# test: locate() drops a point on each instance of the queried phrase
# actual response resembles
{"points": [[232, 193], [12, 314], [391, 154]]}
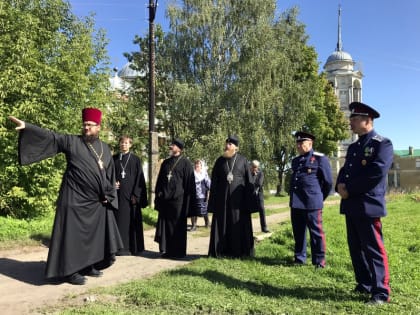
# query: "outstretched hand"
{"points": [[20, 123]]}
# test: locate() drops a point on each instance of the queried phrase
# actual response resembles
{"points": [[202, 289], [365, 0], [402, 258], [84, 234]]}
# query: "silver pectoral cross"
{"points": [[123, 174], [169, 176], [101, 164], [229, 178]]}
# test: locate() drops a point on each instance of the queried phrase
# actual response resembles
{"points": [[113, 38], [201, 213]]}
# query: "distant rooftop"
{"points": [[406, 153], [339, 56]]}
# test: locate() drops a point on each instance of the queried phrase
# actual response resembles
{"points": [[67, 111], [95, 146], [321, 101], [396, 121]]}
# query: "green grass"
{"points": [[274, 200], [270, 284], [19, 232]]}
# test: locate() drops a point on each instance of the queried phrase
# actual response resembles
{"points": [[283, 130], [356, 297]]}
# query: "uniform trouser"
{"points": [[302, 220], [368, 255]]}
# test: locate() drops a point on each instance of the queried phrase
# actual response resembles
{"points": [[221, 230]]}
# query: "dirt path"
{"points": [[23, 289]]}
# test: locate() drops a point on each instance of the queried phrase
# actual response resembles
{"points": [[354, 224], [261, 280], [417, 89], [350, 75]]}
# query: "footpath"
{"points": [[23, 289]]}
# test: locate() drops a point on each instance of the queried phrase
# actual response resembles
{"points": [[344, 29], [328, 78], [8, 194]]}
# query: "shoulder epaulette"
{"points": [[378, 138], [318, 153]]}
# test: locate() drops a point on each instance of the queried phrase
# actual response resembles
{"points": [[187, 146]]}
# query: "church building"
{"points": [[346, 79]]}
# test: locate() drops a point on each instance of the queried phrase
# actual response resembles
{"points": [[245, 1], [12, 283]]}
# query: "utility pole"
{"points": [[153, 139]]}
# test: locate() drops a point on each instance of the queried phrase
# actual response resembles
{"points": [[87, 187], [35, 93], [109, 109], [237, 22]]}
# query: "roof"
{"points": [[405, 153], [129, 73], [339, 56]]}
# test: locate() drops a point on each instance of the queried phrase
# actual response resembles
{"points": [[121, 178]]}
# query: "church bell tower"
{"points": [[346, 79]]}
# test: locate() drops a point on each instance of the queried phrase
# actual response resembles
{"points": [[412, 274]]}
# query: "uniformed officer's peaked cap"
{"points": [[360, 109], [233, 139], [178, 142], [301, 136]]}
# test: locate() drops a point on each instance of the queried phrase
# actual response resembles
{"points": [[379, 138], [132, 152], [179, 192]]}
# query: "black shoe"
{"points": [[76, 279], [376, 301], [193, 228], [94, 273], [91, 271], [319, 266], [265, 230], [123, 253]]}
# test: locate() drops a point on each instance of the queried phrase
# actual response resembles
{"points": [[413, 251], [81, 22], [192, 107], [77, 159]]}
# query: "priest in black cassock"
{"points": [[230, 202], [174, 200], [85, 235], [132, 197]]}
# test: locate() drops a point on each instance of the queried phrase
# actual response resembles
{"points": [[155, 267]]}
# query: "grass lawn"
{"points": [[270, 284]]}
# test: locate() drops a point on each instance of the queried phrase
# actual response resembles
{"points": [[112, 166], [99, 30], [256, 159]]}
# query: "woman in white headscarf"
{"points": [[202, 186]]}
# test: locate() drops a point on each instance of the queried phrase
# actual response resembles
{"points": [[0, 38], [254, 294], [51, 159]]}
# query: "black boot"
{"points": [[76, 279], [206, 221]]}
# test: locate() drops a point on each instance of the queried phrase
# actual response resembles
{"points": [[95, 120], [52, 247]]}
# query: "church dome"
{"points": [[116, 83], [339, 56], [128, 73]]}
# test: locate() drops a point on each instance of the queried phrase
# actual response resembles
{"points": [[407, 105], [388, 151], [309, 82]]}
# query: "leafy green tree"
{"points": [[129, 117], [140, 92], [281, 89], [234, 67], [326, 120], [52, 65], [217, 54]]}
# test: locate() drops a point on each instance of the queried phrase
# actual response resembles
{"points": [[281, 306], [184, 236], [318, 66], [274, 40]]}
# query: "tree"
{"points": [[52, 65], [219, 54], [326, 120], [234, 67]]}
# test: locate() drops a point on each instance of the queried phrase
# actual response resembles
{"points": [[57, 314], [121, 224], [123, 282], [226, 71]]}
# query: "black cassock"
{"points": [[129, 173], [85, 232], [174, 199], [231, 229]]}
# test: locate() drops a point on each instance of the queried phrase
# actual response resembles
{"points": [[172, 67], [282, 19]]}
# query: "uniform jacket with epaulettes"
{"points": [[311, 181], [364, 173]]}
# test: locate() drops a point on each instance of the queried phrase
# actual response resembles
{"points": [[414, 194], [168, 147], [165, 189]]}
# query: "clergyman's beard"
{"points": [[90, 138], [229, 153]]}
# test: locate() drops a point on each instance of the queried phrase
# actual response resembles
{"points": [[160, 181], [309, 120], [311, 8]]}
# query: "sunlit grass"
{"points": [[270, 284]]}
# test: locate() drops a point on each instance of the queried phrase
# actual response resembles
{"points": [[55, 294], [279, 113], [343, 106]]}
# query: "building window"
{"points": [[417, 163]]}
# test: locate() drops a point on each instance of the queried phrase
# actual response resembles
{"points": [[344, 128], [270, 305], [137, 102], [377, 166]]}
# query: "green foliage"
{"points": [[128, 118], [150, 216], [22, 230], [327, 121], [236, 67], [52, 66]]}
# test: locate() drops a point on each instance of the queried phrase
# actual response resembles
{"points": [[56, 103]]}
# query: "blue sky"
{"points": [[380, 35]]}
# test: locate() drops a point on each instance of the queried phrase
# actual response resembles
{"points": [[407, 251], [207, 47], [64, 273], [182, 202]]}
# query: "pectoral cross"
{"points": [[123, 174], [101, 164], [169, 176], [230, 178]]}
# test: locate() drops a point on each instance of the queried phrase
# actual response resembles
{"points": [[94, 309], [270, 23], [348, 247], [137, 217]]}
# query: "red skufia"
{"points": [[92, 114]]}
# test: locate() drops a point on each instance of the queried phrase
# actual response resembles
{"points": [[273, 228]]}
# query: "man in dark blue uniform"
{"points": [[310, 185], [361, 184]]}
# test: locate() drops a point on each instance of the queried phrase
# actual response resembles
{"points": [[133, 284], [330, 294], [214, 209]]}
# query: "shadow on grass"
{"points": [[275, 261], [156, 255], [320, 293]]}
